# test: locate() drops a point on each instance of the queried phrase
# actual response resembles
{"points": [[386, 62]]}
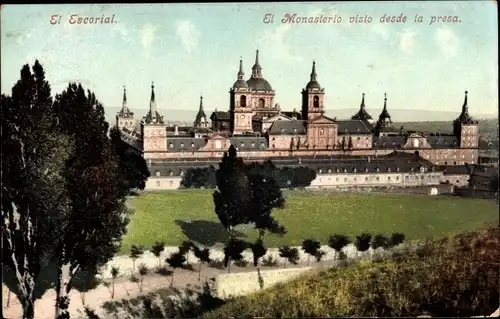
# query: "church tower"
{"points": [[312, 97], [201, 118], [240, 107], [466, 128], [125, 118], [153, 128]]}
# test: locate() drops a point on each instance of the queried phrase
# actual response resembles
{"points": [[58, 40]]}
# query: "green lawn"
{"points": [[174, 216]]}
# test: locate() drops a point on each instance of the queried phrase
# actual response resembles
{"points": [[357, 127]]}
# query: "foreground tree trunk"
{"points": [[63, 287], [28, 297]]}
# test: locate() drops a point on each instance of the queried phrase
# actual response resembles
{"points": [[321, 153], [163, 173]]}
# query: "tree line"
{"points": [[65, 179], [286, 177]]}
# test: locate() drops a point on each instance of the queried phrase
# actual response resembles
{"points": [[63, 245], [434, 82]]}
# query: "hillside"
{"points": [[456, 276]]}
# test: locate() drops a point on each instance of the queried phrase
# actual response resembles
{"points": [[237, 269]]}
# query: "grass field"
{"points": [[174, 216]]}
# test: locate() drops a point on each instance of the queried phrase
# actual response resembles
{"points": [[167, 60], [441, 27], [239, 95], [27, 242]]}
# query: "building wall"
{"points": [[328, 179], [155, 137], [126, 122]]}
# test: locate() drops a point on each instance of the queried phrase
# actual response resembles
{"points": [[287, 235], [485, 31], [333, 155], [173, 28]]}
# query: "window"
{"points": [[158, 183], [397, 178], [171, 183], [366, 179], [157, 173], [345, 180], [192, 144], [171, 173], [337, 179], [316, 101], [242, 116], [242, 144], [378, 178], [355, 179], [262, 103], [321, 132], [243, 101], [388, 178], [171, 145], [182, 145], [406, 177]]}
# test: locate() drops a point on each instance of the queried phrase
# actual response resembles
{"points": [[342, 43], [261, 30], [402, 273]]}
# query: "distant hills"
{"points": [[171, 115]]}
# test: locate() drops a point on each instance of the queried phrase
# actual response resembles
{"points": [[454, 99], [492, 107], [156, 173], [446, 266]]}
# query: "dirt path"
{"points": [[124, 289]]}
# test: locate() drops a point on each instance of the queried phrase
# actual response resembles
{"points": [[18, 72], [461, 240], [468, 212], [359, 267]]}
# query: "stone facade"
{"points": [[259, 128]]}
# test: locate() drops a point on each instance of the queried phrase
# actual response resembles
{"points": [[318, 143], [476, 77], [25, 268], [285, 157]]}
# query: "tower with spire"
{"points": [[201, 119], [125, 118], [153, 128], [240, 107], [465, 128], [384, 124], [262, 93], [313, 97], [362, 114]]}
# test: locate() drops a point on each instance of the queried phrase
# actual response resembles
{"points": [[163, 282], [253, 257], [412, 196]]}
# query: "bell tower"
{"points": [[312, 97], [240, 104]]}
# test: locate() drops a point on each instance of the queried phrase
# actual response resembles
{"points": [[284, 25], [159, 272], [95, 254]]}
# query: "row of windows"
{"points": [[389, 178], [354, 170]]}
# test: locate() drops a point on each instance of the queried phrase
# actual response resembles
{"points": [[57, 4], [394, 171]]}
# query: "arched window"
{"points": [[243, 101], [262, 103], [316, 101]]}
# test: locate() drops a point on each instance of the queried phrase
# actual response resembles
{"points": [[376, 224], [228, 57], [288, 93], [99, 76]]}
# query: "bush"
{"points": [[270, 261]]}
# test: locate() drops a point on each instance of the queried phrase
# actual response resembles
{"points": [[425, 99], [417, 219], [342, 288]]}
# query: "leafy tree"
{"points": [[203, 256], [396, 239], [33, 183], [338, 242], [133, 167], [185, 248], [258, 251], [114, 274], [136, 251], [157, 249], [379, 240], [289, 253], [143, 271], [310, 247], [96, 219], [233, 250], [176, 260], [362, 242]]}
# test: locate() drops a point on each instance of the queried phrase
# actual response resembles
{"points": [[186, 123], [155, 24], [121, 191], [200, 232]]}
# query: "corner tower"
{"points": [[125, 118], [153, 128], [465, 128], [312, 97]]}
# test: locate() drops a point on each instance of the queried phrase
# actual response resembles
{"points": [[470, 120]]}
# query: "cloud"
{"points": [[447, 42], [148, 32], [407, 41], [274, 42], [381, 31], [188, 34]]}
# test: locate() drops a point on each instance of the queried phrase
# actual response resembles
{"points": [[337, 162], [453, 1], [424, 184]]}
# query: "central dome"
{"points": [[259, 84]]}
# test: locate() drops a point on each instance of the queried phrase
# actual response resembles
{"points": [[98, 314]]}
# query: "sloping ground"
{"points": [[456, 276]]}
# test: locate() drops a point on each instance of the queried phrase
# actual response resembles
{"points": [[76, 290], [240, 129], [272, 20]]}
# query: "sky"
{"points": [[193, 49]]}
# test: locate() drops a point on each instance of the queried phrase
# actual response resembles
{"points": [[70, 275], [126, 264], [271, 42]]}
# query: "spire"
{"points": [[385, 114], [362, 113], [124, 102], [256, 69], [201, 118], [201, 104], [465, 107], [313, 72], [152, 104], [385, 101], [241, 74], [152, 92]]}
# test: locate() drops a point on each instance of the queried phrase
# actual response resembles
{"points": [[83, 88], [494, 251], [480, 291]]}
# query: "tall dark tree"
{"points": [[233, 250], [33, 192], [363, 241], [258, 251], [92, 228], [133, 167], [232, 194], [203, 256]]}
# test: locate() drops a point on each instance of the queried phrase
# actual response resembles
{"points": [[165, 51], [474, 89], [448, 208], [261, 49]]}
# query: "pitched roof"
{"points": [[284, 127], [352, 127], [220, 115]]}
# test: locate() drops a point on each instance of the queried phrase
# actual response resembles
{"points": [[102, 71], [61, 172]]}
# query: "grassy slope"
{"points": [[307, 215], [457, 277]]}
